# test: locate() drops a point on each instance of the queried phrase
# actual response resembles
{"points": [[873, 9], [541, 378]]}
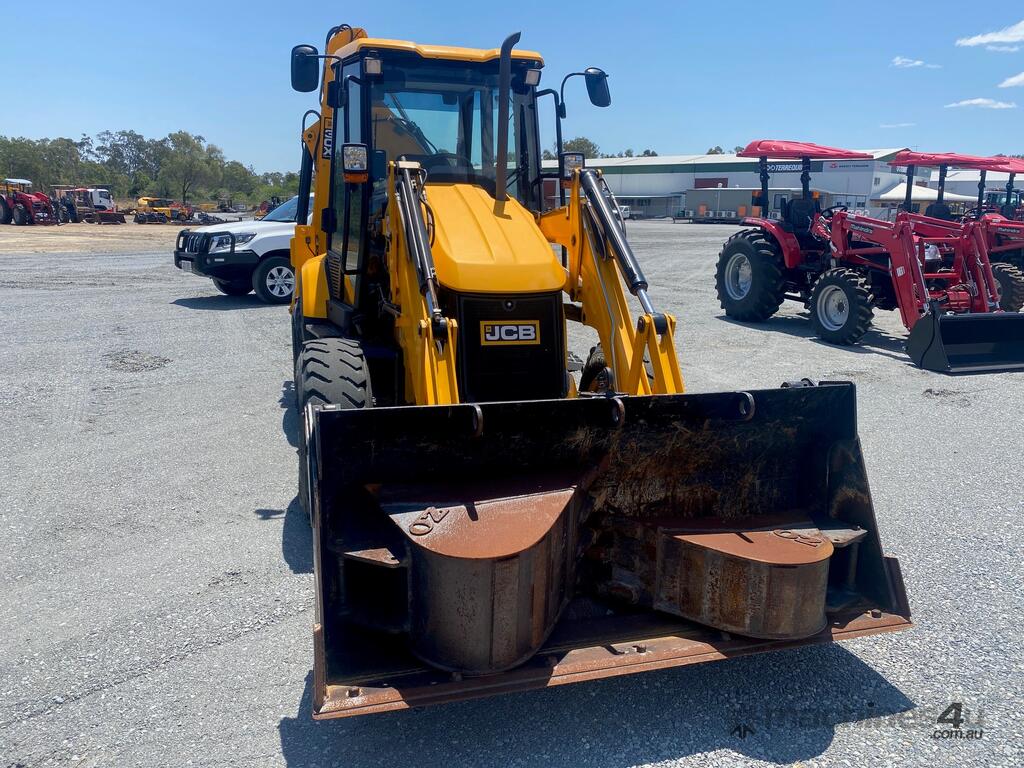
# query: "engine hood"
{"points": [[259, 227], [478, 251]]}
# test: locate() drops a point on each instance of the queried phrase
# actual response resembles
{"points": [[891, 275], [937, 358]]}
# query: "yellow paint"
{"points": [[479, 251], [453, 53]]}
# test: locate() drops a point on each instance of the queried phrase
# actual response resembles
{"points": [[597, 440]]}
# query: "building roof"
{"points": [[993, 178], [689, 163], [920, 194]]}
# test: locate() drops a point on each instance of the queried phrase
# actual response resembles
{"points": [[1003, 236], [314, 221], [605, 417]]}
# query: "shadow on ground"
{"points": [[290, 417], [790, 703], [874, 342], [220, 302], [296, 536]]}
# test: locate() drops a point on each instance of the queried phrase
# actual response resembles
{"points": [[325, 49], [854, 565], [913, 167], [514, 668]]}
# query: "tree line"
{"points": [[181, 165], [590, 150]]}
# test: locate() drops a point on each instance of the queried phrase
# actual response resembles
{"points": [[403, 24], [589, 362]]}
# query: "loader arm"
{"points": [[426, 337], [600, 269]]}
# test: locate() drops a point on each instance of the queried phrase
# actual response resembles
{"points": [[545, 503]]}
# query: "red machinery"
{"points": [[19, 204], [842, 266], [999, 237]]}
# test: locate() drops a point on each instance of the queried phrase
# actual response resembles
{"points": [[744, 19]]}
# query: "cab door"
{"points": [[346, 225]]}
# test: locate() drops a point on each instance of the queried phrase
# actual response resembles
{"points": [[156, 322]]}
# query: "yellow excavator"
{"points": [[490, 513]]}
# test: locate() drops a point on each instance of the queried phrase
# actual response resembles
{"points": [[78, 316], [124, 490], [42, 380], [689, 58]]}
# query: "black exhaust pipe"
{"points": [[504, 90]]}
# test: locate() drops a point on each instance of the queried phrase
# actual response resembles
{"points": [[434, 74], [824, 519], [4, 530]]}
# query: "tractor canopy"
{"points": [[955, 160], [798, 150]]}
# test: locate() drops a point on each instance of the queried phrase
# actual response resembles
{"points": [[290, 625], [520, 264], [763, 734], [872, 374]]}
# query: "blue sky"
{"points": [[684, 76]]}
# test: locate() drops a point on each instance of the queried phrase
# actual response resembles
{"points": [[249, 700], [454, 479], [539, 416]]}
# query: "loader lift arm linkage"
{"points": [[482, 520]]}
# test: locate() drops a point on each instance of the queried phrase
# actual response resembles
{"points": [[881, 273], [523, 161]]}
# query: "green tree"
{"points": [[648, 153], [715, 150], [584, 145], [190, 163]]}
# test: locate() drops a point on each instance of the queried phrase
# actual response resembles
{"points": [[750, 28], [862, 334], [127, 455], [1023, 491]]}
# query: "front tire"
{"points": [[841, 306], [1010, 280], [20, 215], [748, 277], [274, 280], [234, 287], [331, 370]]}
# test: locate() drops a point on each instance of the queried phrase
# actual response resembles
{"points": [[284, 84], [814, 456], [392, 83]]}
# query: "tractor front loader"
{"points": [[483, 521], [843, 266]]}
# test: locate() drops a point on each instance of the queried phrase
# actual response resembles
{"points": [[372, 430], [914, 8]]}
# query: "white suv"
{"points": [[244, 256]]}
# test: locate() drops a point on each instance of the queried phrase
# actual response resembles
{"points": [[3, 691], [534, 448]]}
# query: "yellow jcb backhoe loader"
{"points": [[482, 521]]}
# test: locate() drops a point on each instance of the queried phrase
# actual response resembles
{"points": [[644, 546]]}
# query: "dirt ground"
{"points": [[88, 238]]}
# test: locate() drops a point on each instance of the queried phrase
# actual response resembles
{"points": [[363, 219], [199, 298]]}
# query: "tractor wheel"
{"points": [[841, 306], [274, 280], [748, 277], [20, 215], [328, 371], [140, 218], [234, 287], [5, 212], [1010, 280]]}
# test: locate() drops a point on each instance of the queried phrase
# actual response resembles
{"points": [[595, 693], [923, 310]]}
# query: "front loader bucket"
{"points": [[976, 342], [467, 550]]}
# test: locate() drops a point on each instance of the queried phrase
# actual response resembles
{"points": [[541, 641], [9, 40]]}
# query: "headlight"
{"points": [[223, 242]]}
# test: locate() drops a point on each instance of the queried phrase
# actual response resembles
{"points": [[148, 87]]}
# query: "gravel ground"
{"points": [[157, 598]]}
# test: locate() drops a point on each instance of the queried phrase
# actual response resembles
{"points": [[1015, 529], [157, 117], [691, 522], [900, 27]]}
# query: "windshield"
{"points": [[286, 211], [443, 116]]}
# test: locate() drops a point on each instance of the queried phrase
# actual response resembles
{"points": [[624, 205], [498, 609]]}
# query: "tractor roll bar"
{"points": [[598, 195]]}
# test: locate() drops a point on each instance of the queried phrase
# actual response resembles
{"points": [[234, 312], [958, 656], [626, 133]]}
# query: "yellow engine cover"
{"points": [[480, 250]]}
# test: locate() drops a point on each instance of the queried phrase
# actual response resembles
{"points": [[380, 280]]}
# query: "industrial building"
{"points": [[657, 186]]}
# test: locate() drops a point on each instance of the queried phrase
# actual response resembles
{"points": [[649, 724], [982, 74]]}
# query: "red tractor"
{"points": [[843, 266], [20, 205], [1001, 237]]}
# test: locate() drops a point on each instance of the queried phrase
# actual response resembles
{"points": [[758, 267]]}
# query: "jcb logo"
{"points": [[521, 332]]}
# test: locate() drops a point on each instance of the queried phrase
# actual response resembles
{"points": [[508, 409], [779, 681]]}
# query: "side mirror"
{"points": [[305, 68], [597, 87]]}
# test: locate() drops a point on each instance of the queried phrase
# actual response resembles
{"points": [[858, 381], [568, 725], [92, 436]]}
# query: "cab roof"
{"points": [[449, 52], [936, 159], [797, 150]]}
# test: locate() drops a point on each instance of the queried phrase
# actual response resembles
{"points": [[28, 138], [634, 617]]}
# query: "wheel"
{"points": [[140, 219], [596, 376], [234, 287], [5, 212], [274, 280], [841, 306], [1010, 280], [20, 215], [748, 277], [329, 370]]}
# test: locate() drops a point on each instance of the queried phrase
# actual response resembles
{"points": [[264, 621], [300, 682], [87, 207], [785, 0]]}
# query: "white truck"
{"points": [[244, 256]]}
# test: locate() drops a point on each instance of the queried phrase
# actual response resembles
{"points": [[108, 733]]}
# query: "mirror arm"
{"points": [[561, 94]]}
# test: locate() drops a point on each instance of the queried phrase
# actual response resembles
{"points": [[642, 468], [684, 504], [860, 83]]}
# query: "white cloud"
{"points": [[1012, 34], [983, 103], [897, 125], [904, 63], [1012, 82], [1003, 48]]}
